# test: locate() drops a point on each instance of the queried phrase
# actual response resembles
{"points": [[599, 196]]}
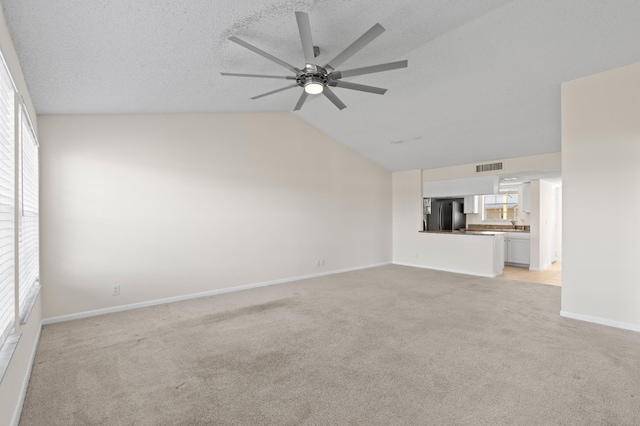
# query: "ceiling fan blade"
{"points": [[304, 27], [354, 47], [333, 98], [355, 86], [275, 91], [337, 75], [303, 98], [264, 54], [233, 74]]}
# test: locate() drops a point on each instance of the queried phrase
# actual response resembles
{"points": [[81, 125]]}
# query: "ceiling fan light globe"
{"points": [[313, 88]]}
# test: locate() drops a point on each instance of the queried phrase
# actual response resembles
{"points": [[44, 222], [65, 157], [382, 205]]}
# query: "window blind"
{"points": [[7, 205], [28, 263]]}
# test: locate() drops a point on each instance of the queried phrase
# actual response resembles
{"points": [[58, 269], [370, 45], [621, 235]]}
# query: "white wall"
{"points": [[541, 245], [407, 213], [558, 236], [171, 205], [13, 384], [510, 165], [600, 163]]}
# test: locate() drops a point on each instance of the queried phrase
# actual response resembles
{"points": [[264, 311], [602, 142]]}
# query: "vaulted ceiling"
{"points": [[483, 80]]}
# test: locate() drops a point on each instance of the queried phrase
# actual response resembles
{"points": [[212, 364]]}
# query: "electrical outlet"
{"points": [[115, 290], [317, 263], [321, 262]]}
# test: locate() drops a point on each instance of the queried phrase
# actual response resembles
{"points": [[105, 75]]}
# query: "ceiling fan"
{"points": [[316, 79]]}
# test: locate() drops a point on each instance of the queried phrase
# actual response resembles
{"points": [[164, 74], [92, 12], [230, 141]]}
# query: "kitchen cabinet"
{"points": [[518, 251], [471, 204], [516, 248]]}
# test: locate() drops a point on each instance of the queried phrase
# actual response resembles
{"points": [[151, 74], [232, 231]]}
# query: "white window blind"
{"points": [[28, 208], [7, 205]]}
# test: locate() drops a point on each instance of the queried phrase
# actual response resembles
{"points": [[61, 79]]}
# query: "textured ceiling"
{"points": [[483, 81]]}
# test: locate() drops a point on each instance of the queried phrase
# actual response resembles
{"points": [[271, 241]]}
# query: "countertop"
{"points": [[461, 232], [477, 231]]}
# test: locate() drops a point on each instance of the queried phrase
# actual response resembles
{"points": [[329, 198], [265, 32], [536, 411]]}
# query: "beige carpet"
{"points": [[385, 346]]}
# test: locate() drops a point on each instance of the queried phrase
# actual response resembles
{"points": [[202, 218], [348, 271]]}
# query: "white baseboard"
{"points": [[455, 271], [542, 268], [601, 321], [155, 302], [25, 383]]}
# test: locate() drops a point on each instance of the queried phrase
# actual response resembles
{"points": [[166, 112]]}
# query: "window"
{"points": [[501, 207], [28, 215], [7, 204], [19, 231]]}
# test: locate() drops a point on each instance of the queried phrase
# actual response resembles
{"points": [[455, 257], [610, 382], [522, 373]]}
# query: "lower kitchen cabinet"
{"points": [[517, 249]]}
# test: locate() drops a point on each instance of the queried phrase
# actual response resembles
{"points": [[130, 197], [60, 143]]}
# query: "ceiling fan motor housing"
{"points": [[320, 76]]}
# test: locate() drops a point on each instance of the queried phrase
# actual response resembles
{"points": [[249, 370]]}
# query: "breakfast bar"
{"points": [[479, 253]]}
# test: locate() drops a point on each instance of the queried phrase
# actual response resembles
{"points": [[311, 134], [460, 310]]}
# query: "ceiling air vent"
{"points": [[488, 167]]}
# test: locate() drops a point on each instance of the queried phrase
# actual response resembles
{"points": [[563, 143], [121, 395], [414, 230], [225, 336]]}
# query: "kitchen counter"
{"points": [[483, 230], [498, 228], [464, 232]]}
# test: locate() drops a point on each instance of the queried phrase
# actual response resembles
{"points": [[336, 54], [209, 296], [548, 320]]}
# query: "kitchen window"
{"points": [[500, 207]]}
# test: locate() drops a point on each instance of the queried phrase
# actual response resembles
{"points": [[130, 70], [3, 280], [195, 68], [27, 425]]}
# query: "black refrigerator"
{"points": [[446, 215]]}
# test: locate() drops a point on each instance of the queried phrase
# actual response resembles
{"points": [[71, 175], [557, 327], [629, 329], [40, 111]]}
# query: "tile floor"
{"points": [[551, 276]]}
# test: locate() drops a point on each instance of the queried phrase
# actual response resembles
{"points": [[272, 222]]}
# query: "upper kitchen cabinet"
{"points": [[471, 204]]}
